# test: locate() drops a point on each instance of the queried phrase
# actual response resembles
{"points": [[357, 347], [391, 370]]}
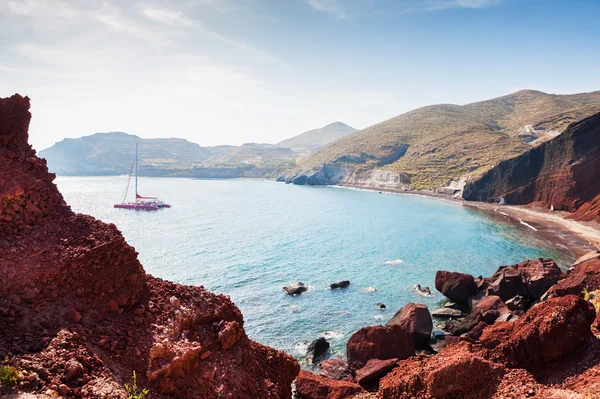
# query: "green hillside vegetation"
{"points": [[444, 142]]}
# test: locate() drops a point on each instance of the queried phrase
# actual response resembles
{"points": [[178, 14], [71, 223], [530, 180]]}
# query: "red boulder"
{"points": [[458, 287], [312, 386], [549, 331], [372, 372], [378, 342], [416, 319]]}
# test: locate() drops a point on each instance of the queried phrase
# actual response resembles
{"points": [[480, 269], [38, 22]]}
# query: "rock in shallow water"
{"points": [[316, 350], [339, 284], [295, 288]]}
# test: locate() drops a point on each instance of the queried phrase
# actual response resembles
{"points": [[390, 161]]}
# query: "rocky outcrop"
{"points": [[78, 313], [584, 276], [563, 173], [550, 331]]}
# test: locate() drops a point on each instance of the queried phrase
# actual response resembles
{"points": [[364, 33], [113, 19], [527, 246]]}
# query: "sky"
{"points": [[236, 71]]}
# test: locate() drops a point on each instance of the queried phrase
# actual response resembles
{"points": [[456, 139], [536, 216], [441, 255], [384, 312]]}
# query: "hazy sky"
{"points": [[235, 71]]}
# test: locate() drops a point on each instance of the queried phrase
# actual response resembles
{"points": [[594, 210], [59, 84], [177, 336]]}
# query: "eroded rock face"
{"points": [[76, 302], [563, 172]]}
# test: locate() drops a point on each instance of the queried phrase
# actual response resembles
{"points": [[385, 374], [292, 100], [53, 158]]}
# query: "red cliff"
{"points": [[563, 172], [78, 313]]}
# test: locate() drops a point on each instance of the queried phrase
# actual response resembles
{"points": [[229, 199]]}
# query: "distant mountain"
{"points": [[314, 139], [113, 153], [431, 146]]}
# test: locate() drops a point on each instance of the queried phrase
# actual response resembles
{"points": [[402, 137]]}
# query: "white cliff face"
{"points": [[379, 178]]}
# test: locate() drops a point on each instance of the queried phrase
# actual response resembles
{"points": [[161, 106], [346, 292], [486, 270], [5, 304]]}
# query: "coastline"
{"points": [[580, 238]]}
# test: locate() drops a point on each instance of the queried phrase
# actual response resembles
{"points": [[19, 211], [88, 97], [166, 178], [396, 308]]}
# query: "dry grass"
{"points": [[447, 141]]}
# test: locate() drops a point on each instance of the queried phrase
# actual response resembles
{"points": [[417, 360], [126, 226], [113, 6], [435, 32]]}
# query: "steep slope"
{"points": [[112, 153], [314, 139], [78, 313], [563, 172], [431, 146]]}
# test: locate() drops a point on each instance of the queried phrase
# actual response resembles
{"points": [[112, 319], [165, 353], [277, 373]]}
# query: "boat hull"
{"points": [[137, 207]]}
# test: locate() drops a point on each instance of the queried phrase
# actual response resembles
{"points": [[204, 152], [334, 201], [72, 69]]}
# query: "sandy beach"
{"points": [[580, 238]]}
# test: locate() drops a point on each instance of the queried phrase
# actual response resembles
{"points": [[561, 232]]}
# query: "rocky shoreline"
{"points": [[528, 331]]}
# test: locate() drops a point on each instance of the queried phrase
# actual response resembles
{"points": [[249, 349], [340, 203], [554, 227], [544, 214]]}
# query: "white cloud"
{"points": [[349, 9], [167, 17], [333, 7]]}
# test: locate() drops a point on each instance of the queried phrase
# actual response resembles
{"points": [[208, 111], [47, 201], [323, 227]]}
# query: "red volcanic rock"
{"points": [[539, 275], [336, 369], [56, 266], [549, 331], [584, 276], [563, 172], [311, 386], [507, 283], [416, 319], [458, 371], [458, 287], [496, 334], [372, 372], [378, 342]]}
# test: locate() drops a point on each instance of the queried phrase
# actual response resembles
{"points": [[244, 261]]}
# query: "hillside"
{"points": [[563, 173], [255, 154], [314, 139], [431, 146], [113, 153]]}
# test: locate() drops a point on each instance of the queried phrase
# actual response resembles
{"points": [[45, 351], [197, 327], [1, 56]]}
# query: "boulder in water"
{"points": [[380, 306], [316, 350], [295, 288], [339, 284]]}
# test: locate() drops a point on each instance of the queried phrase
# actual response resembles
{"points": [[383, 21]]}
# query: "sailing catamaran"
{"points": [[141, 203]]}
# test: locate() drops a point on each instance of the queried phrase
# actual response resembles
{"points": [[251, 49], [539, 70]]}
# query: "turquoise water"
{"points": [[248, 238]]}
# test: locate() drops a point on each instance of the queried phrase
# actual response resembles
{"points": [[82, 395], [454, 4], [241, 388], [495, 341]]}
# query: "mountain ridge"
{"points": [[434, 145], [314, 139]]}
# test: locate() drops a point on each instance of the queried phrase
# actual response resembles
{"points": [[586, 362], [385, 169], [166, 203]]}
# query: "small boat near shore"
{"points": [[141, 203]]}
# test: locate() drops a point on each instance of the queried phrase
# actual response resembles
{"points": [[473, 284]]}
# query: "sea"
{"points": [[249, 238]]}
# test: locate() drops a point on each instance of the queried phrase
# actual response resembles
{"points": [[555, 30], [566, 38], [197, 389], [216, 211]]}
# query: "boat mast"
{"points": [[136, 169]]}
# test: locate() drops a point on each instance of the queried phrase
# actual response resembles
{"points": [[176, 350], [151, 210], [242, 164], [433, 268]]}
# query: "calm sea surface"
{"points": [[248, 238]]}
